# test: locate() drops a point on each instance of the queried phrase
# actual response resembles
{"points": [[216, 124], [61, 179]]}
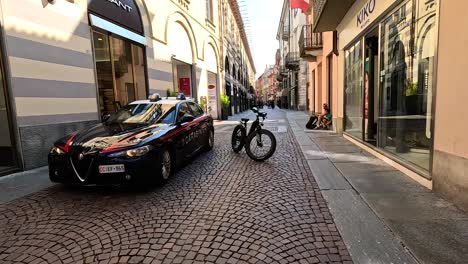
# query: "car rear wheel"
{"points": [[210, 141]]}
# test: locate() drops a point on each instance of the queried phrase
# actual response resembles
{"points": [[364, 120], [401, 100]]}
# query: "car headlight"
{"points": [[131, 153], [56, 151]]}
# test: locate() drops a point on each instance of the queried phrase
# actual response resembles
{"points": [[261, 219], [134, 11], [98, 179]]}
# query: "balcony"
{"points": [[310, 43], [329, 13], [283, 71], [286, 32], [292, 61]]}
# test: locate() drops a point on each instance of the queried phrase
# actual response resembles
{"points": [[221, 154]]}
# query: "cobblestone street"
{"points": [[220, 208]]}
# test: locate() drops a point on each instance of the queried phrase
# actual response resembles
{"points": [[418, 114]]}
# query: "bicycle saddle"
{"points": [[245, 119], [262, 114]]}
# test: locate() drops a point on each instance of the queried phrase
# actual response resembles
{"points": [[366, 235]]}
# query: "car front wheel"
{"points": [[165, 166]]}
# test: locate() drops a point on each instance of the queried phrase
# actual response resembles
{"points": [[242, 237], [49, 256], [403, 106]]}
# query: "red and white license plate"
{"points": [[106, 169]]}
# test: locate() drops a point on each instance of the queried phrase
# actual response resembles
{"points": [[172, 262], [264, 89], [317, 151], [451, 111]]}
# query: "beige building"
{"points": [[396, 85], [319, 49], [294, 69], [66, 63]]}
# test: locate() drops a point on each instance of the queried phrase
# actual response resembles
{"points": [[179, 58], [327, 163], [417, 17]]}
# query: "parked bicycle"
{"points": [[260, 144]]}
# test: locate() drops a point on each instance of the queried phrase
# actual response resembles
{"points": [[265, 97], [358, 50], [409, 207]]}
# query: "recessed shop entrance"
{"points": [[182, 77], [389, 76], [119, 53]]}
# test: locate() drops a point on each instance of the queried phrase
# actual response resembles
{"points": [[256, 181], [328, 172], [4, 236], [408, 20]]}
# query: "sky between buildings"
{"points": [[264, 18]]}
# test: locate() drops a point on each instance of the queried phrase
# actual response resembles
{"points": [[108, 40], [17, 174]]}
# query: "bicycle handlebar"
{"points": [[260, 114]]}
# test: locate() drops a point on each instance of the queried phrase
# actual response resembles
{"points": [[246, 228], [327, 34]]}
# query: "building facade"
{"points": [[66, 63], [267, 84], [294, 69], [239, 67], [395, 89]]}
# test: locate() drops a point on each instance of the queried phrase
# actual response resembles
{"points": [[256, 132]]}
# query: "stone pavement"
{"points": [[383, 215], [220, 208]]}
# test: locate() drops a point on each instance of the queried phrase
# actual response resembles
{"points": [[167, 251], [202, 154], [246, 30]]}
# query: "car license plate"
{"points": [[106, 169]]}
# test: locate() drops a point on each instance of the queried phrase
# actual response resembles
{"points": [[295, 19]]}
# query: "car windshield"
{"points": [[143, 113]]}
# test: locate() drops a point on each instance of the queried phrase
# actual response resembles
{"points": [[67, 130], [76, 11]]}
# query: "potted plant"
{"points": [[412, 98], [171, 93], [202, 105], [225, 102]]}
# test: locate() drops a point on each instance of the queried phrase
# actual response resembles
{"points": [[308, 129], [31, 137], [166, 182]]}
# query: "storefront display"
{"points": [[399, 101]]}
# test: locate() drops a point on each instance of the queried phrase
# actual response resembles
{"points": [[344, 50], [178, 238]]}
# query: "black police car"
{"points": [[139, 144]]}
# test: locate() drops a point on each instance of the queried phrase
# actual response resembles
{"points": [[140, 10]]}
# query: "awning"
{"points": [[329, 13]]}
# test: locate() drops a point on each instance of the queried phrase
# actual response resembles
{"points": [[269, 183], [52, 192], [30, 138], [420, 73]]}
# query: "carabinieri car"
{"points": [[139, 144]]}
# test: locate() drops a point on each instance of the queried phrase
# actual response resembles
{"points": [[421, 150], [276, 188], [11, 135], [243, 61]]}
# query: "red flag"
{"points": [[301, 4]]}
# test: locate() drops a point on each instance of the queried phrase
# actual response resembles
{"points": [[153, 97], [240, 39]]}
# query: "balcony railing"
{"points": [[309, 41], [292, 60], [286, 32], [283, 72]]}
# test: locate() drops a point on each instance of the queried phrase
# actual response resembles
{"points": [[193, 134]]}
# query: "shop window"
{"points": [[407, 70]]}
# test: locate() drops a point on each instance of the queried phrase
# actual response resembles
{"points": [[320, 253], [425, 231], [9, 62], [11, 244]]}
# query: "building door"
{"points": [[182, 73], [8, 159]]}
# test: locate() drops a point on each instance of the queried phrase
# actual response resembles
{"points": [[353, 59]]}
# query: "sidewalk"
{"points": [[20, 184], [383, 215]]}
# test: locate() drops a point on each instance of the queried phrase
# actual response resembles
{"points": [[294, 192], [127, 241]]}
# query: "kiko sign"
{"points": [[121, 5], [124, 13], [363, 16]]}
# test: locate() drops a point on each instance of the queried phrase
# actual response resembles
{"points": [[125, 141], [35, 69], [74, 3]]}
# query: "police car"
{"points": [[139, 144]]}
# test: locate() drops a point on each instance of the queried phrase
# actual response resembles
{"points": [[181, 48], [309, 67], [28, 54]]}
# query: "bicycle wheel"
{"points": [[237, 139], [261, 145]]}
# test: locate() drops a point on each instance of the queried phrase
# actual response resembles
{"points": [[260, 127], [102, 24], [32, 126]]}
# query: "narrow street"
{"points": [[220, 208]]}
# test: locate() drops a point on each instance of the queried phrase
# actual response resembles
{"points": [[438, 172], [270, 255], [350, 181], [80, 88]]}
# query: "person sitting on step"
{"points": [[322, 117]]}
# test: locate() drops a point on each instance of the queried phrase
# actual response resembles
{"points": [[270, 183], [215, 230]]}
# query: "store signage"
{"points": [[120, 12], [213, 101], [363, 15], [121, 5]]}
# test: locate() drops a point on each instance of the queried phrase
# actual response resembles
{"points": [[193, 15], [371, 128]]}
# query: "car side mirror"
{"points": [[186, 119]]}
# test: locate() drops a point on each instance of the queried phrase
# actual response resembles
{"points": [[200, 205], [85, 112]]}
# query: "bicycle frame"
{"points": [[256, 125]]}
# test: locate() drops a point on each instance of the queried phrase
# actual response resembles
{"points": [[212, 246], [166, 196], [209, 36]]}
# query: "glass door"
{"points": [[371, 84], [354, 90]]}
